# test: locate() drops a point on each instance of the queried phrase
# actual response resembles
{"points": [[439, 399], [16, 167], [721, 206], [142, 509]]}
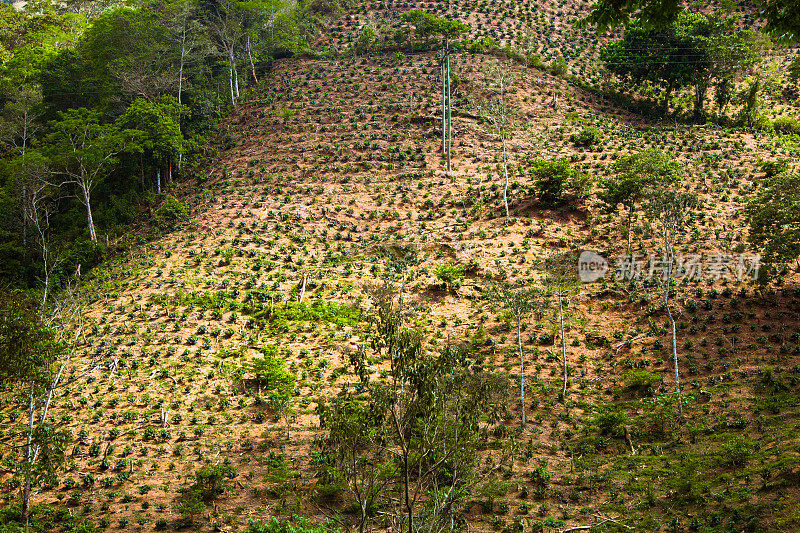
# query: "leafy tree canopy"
{"points": [[28, 349], [156, 126], [635, 174], [651, 13], [774, 218], [557, 182], [427, 25], [694, 49], [782, 16]]}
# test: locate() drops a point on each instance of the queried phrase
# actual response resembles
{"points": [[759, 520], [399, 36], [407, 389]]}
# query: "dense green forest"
{"points": [[104, 109]]}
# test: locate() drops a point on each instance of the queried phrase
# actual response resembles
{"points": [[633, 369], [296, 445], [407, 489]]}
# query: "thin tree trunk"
{"points": [[630, 224], [449, 116], [235, 72], [26, 489], [303, 290], [670, 254], [674, 354], [363, 519], [183, 53], [90, 220], [24, 216], [505, 172], [47, 402], [45, 257], [521, 370], [563, 345], [158, 180], [503, 139], [406, 474], [701, 88], [24, 132], [180, 82], [667, 95], [230, 79], [250, 55], [407, 482], [272, 23], [232, 75], [30, 453]]}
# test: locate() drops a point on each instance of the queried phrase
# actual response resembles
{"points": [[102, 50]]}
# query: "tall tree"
{"points": [[132, 49], [83, 151], [557, 182], [38, 197], [660, 57], [723, 51], [774, 219], [30, 364], [783, 18], [560, 282], [428, 410], [19, 118], [669, 207], [653, 13], [155, 129], [520, 301], [225, 20], [695, 49], [355, 452], [500, 114], [427, 27], [187, 36], [635, 175]]}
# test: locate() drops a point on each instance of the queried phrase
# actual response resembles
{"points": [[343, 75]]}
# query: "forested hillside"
{"points": [[399, 266]]}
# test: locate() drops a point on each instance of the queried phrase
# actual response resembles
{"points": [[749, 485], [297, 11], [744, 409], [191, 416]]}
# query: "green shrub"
{"points": [[318, 311], [210, 480], [171, 211], [736, 450], [588, 136], [559, 66], [610, 422], [270, 372], [190, 505], [85, 253], [642, 382], [786, 125], [482, 45], [451, 274], [296, 525], [547, 339], [557, 182], [794, 68], [541, 481], [773, 168]]}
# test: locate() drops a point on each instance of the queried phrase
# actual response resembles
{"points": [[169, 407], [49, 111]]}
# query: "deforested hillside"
{"points": [[586, 320]]}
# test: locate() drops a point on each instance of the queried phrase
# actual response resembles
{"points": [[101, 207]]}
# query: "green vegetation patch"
{"points": [[317, 311]]}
